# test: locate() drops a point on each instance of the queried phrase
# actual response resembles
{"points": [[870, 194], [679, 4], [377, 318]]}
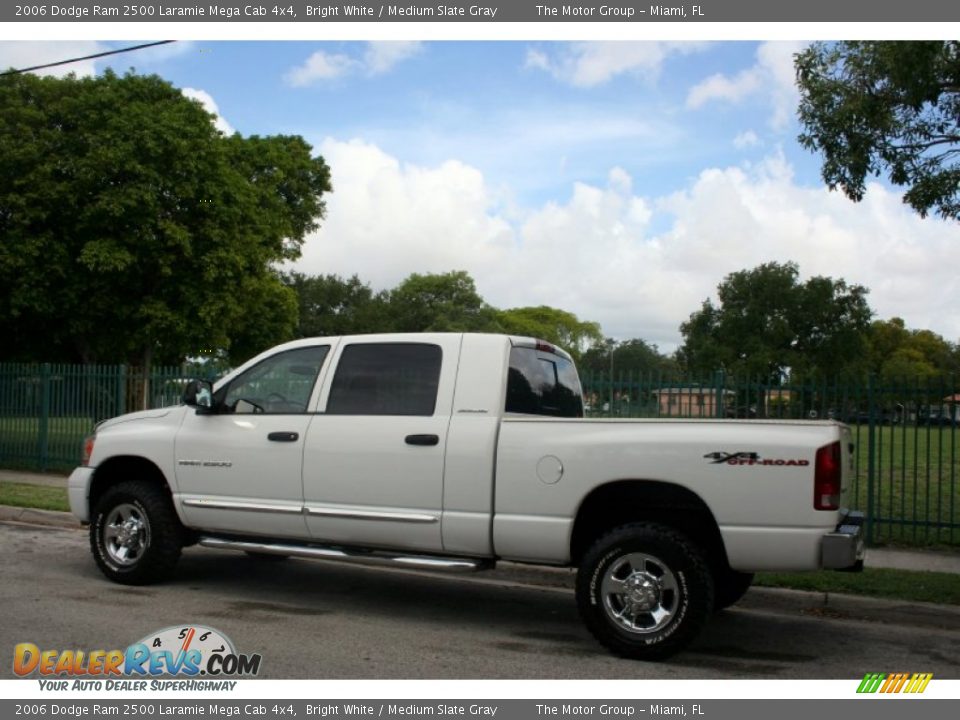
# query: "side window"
{"points": [[386, 379], [280, 384], [542, 384]]}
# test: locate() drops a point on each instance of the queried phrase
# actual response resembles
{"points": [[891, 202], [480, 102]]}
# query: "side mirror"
{"points": [[199, 394]]}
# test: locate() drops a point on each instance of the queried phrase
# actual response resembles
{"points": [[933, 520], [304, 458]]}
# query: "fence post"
{"points": [[871, 452], [44, 434], [719, 383], [121, 390]]}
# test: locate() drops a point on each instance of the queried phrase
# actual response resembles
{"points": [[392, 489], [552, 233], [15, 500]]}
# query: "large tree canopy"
{"points": [[899, 355], [331, 305], [134, 231], [635, 356], [439, 303], [769, 325], [874, 107], [557, 326]]}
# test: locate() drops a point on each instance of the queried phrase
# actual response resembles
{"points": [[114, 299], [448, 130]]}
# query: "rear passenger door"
{"points": [[374, 457]]}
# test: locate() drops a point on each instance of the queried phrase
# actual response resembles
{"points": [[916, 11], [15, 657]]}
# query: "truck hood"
{"points": [[134, 417]]}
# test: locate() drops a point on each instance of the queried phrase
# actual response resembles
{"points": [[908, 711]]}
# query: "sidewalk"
{"points": [[895, 559]]}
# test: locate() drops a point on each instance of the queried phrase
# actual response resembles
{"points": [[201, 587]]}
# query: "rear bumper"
{"points": [[843, 548]]}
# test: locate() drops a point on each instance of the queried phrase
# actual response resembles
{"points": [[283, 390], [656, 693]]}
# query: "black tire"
{"points": [[671, 591], [135, 535], [729, 587]]}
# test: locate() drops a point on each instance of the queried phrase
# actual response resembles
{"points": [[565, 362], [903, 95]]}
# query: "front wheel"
{"points": [[135, 535], [644, 591]]}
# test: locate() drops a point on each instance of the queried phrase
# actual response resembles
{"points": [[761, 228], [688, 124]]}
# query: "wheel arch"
{"points": [[125, 467], [620, 502]]}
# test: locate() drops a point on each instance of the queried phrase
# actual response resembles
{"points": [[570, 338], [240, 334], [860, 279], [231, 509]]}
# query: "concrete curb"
{"points": [[34, 516], [852, 607]]}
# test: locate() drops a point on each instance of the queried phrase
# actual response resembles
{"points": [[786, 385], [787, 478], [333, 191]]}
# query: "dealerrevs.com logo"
{"points": [[189, 651]]}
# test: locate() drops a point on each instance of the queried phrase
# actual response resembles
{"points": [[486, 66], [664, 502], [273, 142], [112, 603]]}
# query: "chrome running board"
{"points": [[353, 555]]}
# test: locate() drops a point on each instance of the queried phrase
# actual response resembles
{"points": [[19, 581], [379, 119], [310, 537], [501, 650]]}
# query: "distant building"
{"points": [[691, 401]]}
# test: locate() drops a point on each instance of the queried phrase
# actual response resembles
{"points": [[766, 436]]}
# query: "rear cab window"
{"points": [[386, 379], [542, 380]]}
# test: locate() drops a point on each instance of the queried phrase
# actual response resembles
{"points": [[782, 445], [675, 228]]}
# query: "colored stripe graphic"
{"points": [[919, 682], [894, 683], [871, 682]]}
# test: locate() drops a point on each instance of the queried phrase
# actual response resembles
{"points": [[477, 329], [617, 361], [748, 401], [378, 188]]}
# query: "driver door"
{"points": [[240, 468]]}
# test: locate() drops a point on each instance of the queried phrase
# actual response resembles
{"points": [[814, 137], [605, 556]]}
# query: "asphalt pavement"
{"points": [[321, 619]]}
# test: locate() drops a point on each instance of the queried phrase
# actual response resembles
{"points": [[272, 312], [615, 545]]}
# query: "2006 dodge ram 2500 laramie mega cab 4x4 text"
{"points": [[453, 451]]}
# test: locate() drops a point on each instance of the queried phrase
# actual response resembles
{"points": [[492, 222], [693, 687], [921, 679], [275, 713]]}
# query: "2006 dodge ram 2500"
{"points": [[453, 451]]}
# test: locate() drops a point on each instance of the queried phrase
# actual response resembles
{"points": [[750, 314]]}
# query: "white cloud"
{"points": [[319, 67], [16, 54], [382, 56], [378, 58], [597, 253], [587, 64], [211, 107], [771, 75], [721, 87], [746, 139]]}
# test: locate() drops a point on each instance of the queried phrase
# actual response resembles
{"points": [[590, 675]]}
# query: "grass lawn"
{"points": [[33, 496], [907, 585], [20, 442], [916, 481]]}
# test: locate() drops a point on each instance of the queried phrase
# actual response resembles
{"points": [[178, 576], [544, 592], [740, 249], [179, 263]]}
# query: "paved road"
{"points": [[323, 620]]}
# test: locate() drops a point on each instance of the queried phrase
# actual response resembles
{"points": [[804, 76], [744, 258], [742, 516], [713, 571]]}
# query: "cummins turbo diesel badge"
{"points": [[751, 458]]}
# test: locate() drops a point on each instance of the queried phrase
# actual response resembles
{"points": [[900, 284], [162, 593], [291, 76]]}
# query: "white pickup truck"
{"points": [[453, 451]]}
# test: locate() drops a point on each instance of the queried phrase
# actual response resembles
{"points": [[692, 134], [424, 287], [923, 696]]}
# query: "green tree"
{"points": [[898, 354], [770, 325], [332, 305], [559, 327], [439, 302], [133, 231], [634, 356], [874, 107]]}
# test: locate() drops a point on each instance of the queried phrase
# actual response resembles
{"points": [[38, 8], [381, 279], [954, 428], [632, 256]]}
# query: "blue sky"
{"points": [[618, 180]]}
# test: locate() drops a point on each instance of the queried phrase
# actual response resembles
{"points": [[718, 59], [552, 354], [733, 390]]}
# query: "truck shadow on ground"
{"points": [[521, 619]]}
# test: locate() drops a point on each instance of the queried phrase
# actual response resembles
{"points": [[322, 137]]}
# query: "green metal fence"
{"points": [[46, 410], [907, 433]]}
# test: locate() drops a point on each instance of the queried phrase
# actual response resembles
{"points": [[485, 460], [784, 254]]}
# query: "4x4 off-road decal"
{"points": [[751, 458]]}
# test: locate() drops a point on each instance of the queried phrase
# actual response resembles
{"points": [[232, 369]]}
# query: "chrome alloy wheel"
{"points": [[126, 534], [640, 593]]}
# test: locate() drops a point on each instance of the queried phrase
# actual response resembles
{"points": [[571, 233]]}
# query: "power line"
{"points": [[86, 57]]}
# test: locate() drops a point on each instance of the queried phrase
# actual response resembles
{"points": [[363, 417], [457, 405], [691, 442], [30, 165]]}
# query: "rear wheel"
{"points": [[644, 591], [135, 535]]}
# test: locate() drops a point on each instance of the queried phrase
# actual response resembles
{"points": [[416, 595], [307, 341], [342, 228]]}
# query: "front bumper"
{"points": [[78, 492], [843, 549]]}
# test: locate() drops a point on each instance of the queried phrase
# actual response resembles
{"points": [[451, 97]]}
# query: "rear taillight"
{"points": [[546, 347], [87, 449], [827, 478]]}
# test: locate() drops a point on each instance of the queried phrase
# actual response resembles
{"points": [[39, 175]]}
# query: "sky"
{"points": [[621, 181]]}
